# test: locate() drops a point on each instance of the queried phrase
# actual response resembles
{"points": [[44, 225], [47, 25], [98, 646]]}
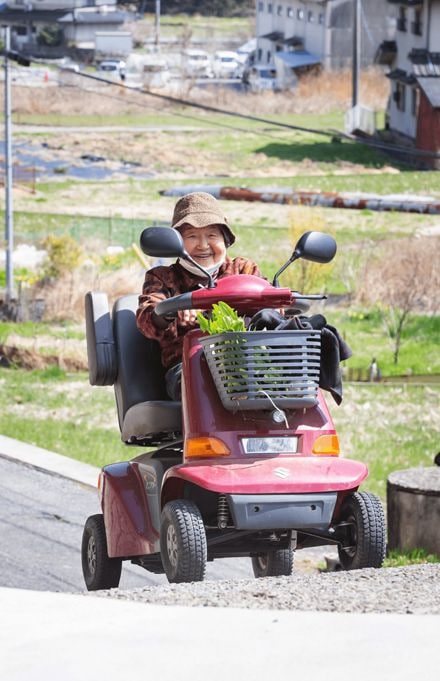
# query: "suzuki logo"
{"points": [[281, 472]]}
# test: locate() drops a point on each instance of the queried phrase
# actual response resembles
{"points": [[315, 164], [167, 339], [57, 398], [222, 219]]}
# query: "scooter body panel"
{"points": [[130, 494], [277, 475]]}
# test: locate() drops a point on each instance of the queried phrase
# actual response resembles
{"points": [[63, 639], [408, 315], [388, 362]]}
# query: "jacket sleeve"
{"points": [[156, 289], [153, 291]]}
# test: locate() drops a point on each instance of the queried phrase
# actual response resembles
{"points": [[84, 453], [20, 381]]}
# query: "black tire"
{"points": [[274, 563], [183, 546], [100, 571], [366, 543]]}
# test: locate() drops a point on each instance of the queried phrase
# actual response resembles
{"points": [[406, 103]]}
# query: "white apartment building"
{"points": [[303, 33]]}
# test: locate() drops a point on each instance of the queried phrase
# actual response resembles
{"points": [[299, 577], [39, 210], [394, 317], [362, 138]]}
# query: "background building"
{"points": [[413, 113], [321, 28]]}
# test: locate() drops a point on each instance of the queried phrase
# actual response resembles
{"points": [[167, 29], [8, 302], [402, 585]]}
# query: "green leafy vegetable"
{"points": [[223, 318]]}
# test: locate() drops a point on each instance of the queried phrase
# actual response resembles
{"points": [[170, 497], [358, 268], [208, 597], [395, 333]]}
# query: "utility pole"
{"points": [[356, 52], [9, 213], [9, 226], [157, 27]]}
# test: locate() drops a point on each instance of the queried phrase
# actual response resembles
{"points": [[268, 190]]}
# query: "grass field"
{"points": [[378, 424]]}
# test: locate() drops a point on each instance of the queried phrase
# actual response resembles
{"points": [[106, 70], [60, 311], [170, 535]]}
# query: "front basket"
{"points": [[260, 369]]}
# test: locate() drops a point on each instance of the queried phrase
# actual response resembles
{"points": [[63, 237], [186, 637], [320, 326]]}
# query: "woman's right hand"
{"points": [[188, 317]]}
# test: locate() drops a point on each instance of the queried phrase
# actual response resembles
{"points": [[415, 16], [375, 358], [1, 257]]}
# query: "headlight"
{"points": [[270, 445]]}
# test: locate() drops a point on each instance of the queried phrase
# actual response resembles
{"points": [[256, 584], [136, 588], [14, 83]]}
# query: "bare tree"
{"points": [[403, 280]]}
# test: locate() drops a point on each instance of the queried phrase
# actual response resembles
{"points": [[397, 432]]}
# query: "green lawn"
{"points": [[387, 427], [61, 413], [364, 332]]}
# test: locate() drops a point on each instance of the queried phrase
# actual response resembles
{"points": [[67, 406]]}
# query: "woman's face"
{"points": [[205, 244]]}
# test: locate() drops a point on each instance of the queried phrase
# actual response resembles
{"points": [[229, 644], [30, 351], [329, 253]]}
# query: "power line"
{"points": [[205, 107], [178, 113], [370, 142]]}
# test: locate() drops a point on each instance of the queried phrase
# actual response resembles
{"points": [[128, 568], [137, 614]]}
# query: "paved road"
{"points": [[41, 523]]}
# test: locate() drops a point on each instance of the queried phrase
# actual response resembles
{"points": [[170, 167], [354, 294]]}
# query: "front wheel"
{"points": [[100, 571], [183, 545], [277, 563], [365, 545]]}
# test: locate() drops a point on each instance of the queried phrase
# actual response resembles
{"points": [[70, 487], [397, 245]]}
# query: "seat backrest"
{"points": [[140, 375]]}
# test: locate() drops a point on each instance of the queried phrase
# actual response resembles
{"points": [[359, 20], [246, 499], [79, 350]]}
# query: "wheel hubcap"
{"points": [[91, 555], [172, 545]]}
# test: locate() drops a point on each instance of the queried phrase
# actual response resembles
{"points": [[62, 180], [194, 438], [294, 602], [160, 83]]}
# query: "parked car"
{"points": [[69, 65], [225, 64], [115, 67], [196, 64], [259, 78]]}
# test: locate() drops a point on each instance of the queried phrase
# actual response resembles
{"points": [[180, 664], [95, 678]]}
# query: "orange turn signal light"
{"points": [[202, 447], [326, 445]]}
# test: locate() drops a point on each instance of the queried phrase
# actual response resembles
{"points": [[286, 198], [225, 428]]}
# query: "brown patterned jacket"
{"points": [[165, 282]]}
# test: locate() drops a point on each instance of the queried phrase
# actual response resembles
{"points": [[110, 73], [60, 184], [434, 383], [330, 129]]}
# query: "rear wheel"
{"points": [[366, 532], [183, 546], [100, 571], [274, 563]]}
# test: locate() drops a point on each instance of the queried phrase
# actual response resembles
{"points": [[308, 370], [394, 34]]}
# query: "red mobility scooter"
{"points": [[247, 464]]}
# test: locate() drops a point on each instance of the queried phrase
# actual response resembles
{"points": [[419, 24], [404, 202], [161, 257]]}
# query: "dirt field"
{"points": [[315, 94]]}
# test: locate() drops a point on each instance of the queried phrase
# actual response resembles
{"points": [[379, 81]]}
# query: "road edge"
{"points": [[49, 462]]}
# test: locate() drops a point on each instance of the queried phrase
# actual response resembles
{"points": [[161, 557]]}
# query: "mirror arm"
{"points": [[295, 255], [186, 256]]}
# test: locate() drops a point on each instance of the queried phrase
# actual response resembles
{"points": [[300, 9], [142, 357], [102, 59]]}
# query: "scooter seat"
{"points": [[121, 356], [149, 422]]}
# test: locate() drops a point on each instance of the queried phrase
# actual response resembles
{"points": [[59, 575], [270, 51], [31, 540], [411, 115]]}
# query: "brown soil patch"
{"points": [[30, 359]]}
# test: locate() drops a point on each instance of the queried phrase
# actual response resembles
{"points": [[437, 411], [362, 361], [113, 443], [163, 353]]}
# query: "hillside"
{"points": [[219, 8]]}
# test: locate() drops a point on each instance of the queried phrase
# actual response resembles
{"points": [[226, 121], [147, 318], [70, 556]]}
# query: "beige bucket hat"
{"points": [[200, 209]]}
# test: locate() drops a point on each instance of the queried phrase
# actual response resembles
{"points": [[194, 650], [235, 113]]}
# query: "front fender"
{"points": [[277, 475], [127, 512]]}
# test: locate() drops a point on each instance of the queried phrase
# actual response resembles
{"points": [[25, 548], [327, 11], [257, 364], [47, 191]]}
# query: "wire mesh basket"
{"points": [[257, 369]]}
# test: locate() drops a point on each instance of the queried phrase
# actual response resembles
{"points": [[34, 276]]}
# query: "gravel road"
{"points": [[410, 590]]}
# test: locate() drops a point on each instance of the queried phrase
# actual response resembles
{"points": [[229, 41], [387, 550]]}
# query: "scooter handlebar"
{"points": [[170, 306], [246, 293]]}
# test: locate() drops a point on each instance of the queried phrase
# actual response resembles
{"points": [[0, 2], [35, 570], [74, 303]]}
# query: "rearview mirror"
{"points": [[315, 246], [162, 242]]}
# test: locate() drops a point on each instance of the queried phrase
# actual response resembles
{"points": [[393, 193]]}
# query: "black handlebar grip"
{"points": [[169, 307]]}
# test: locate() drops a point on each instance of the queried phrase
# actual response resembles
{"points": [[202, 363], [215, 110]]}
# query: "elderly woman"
{"points": [[206, 235]]}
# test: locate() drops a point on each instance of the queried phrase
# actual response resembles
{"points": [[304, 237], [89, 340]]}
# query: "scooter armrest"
{"points": [[101, 350]]}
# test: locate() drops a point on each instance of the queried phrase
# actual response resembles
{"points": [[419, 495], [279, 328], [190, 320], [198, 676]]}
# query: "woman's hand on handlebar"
{"points": [[188, 317]]}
